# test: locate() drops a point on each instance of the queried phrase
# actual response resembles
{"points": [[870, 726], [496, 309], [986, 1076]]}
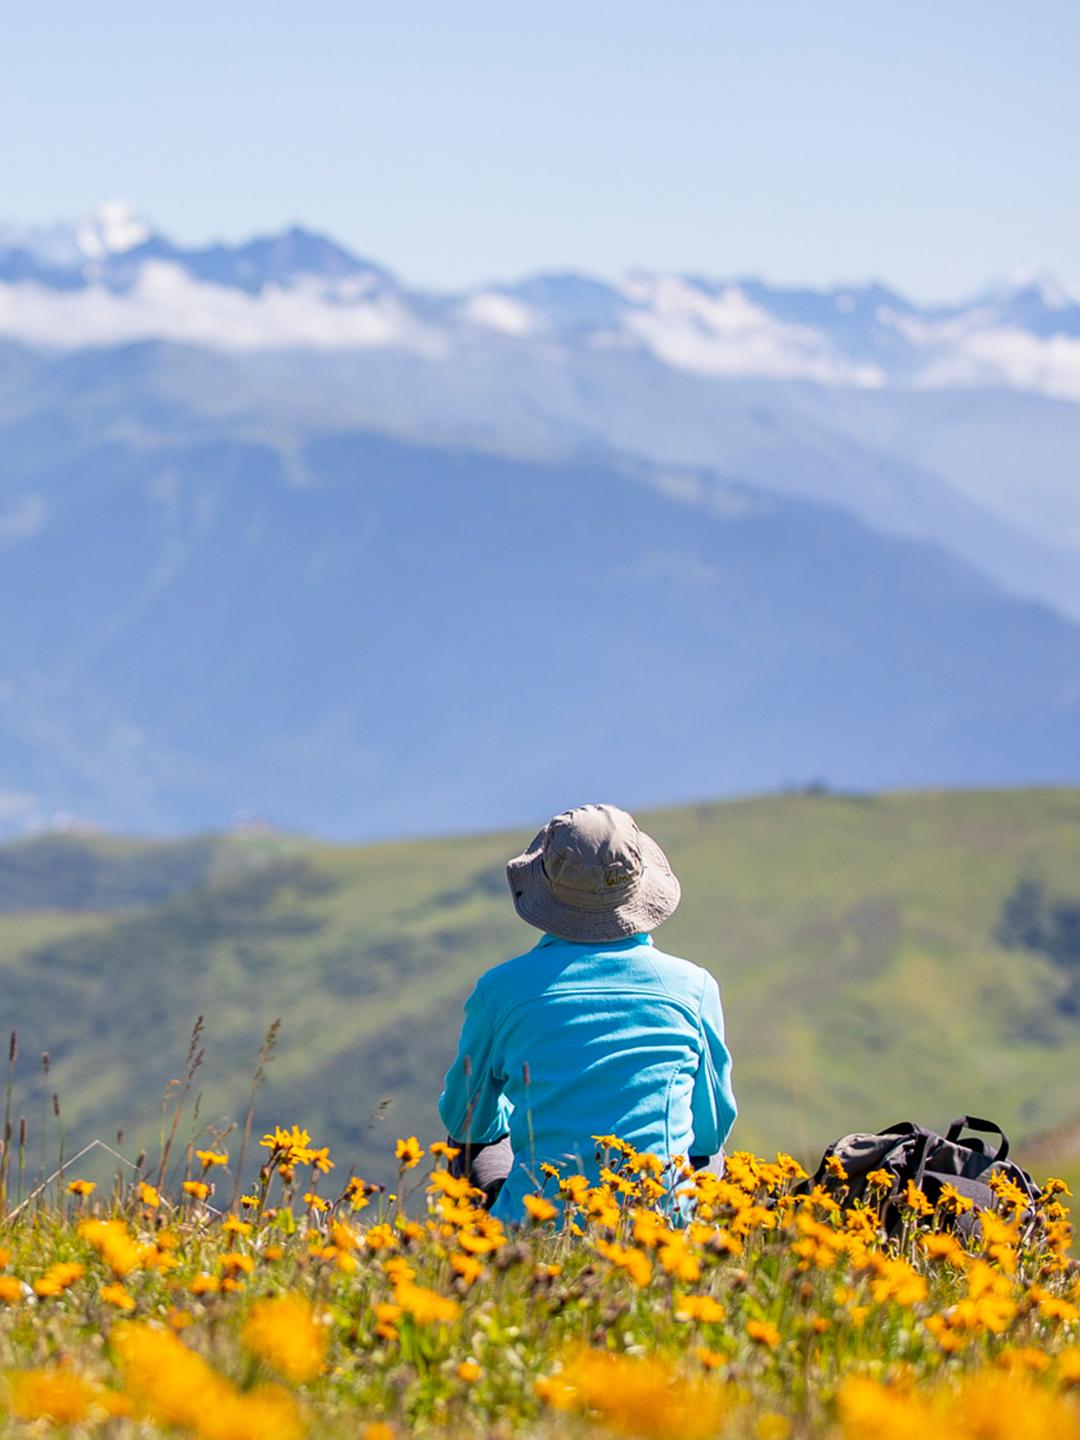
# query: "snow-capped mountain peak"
{"points": [[112, 229]]}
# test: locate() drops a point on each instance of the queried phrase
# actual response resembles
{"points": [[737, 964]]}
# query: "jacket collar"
{"points": [[628, 942]]}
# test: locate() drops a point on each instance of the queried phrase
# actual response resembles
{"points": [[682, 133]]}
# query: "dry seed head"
{"points": [[22, 1132], [45, 1061], [13, 1047], [56, 1104]]}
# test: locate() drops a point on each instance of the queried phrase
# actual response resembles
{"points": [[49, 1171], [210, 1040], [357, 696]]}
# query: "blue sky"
{"points": [[930, 144]]}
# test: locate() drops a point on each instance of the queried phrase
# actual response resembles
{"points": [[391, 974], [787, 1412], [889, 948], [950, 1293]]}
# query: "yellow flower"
{"points": [[205, 1284], [951, 1200], [116, 1295], [942, 1247], [113, 1242], [176, 1388], [467, 1266], [916, 1201], [59, 1395], [10, 1289], [1054, 1307], [235, 1262], [469, 1371], [441, 1148], [148, 1195], [359, 1190], [540, 1210], [380, 1237], [198, 1188], [764, 1333], [676, 1258], [293, 1147], [58, 1278], [711, 1359], [880, 1180], [426, 1306], [703, 1308], [408, 1152], [1008, 1192], [1054, 1186], [286, 1335], [210, 1158], [790, 1167], [639, 1396], [897, 1280], [612, 1142], [834, 1168], [81, 1187], [626, 1257], [315, 1202], [1024, 1358]]}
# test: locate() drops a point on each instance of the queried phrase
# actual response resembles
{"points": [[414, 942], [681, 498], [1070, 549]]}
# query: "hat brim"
{"points": [[652, 900]]}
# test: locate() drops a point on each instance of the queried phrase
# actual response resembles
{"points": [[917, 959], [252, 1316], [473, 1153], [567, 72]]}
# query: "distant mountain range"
{"points": [[120, 280], [282, 536]]}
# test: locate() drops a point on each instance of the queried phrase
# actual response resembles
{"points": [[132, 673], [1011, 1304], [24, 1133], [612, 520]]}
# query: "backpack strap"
{"points": [[972, 1122]]}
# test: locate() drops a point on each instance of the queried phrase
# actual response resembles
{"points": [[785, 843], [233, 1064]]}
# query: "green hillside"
{"points": [[853, 937]]}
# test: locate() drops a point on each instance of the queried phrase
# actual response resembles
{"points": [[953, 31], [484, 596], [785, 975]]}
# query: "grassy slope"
{"points": [[851, 936]]}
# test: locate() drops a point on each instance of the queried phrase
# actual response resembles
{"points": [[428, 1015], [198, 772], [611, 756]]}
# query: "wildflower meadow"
{"points": [[656, 1302]]}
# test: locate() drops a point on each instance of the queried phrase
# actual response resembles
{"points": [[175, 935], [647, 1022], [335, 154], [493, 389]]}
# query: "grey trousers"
{"points": [[487, 1166]]}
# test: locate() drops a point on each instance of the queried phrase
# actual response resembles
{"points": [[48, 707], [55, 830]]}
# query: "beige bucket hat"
{"points": [[592, 874]]}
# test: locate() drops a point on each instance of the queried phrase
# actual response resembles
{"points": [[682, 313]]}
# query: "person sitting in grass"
{"points": [[593, 1031]]}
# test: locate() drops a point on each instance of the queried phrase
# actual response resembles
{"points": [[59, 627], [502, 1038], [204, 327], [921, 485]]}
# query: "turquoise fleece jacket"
{"points": [[573, 1040]]}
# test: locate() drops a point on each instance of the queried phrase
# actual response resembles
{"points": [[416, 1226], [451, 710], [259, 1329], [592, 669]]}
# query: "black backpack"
{"points": [[906, 1151]]}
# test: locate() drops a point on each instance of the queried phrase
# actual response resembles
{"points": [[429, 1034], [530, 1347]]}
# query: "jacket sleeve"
{"points": [[713, 1101], [472, 1105]]}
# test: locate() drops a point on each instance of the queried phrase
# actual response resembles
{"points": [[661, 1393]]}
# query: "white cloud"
{"points": [[975, 349], [168, 304], [25, 519], [688, 326], [499, 312], [726, 334]]}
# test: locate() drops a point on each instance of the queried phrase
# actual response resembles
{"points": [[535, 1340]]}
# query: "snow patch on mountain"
{"points": [[113, 229]]}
